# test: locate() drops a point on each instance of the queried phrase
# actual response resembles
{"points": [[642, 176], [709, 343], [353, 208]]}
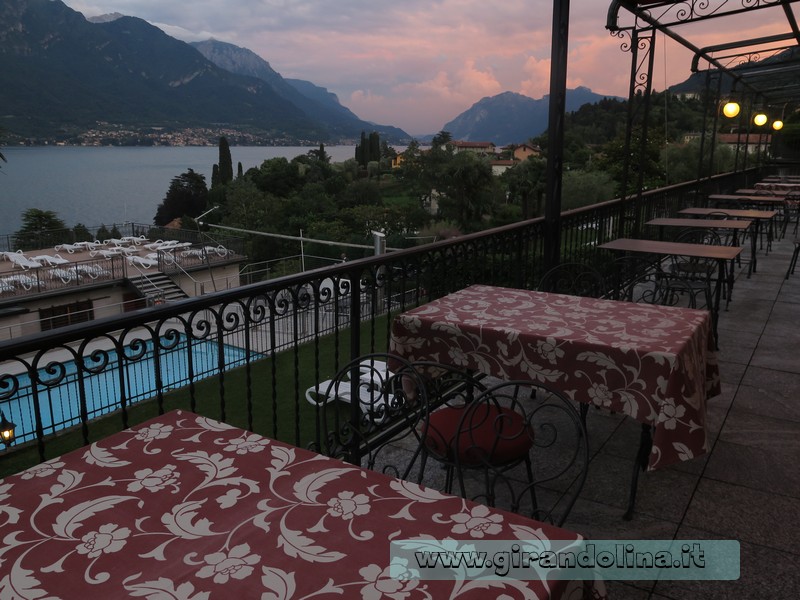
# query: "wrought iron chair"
{"points": [[575, 279], [639, 279], [525, 441], [389, 408], [694, 278]]}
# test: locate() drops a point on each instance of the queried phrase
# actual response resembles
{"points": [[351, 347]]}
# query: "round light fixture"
{"points": [[731, 109], [760, 119], [777, 125]]}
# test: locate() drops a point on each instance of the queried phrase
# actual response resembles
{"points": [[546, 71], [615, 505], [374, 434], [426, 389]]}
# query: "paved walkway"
{"points": [[748, 486]]}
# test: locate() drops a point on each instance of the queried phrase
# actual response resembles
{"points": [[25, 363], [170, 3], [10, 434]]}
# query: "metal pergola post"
{"points": [[555, 132]]}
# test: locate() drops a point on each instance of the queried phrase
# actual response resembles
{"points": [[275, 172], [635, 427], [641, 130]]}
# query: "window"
{"points": [[66, 314]]}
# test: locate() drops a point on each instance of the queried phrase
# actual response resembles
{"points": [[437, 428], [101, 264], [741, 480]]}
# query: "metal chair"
{"points": [[575, 279], [377, 429], [526, 443], [692, 277], [639, 279]]}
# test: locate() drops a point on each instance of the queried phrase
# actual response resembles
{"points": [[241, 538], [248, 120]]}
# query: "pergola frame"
{"points": [[763, 71]]}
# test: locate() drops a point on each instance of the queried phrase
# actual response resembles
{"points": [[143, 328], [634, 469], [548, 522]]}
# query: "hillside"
{"points": [[510, 118], [314, 101], [63, 75]]}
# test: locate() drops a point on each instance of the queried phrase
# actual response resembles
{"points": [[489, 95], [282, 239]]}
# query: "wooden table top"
{"points": [[674, 248], [732, 212], [701, 223], [741, 198]]}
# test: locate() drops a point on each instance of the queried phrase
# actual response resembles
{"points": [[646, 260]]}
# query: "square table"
{"points": [[722, 254], [653, 363], [734, 225], [185, 507], [758, 216]]}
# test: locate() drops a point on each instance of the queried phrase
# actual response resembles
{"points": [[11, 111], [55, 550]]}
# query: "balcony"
{"points": [[294, 331]]}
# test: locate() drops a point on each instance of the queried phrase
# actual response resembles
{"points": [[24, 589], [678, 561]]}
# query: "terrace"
{"points": [[745, 484], [296, 331]]}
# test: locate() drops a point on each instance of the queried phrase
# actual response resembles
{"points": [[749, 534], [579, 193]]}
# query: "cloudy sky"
{"points": [[415, 64]]}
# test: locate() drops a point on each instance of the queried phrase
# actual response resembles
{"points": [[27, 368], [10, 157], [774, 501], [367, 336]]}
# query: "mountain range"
{"points": [[63, 75], [510, 118]]}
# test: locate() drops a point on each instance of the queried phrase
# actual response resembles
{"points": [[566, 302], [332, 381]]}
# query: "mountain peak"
{"points": [[512, 118], [107, 18]]}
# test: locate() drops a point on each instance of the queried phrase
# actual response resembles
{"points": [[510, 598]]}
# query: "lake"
{"points": [[105, 185]]}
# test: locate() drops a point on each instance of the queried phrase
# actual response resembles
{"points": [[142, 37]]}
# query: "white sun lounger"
{"points": [[50, 260], [372, 400], [71, 248], [133, 239], [143, 262], [88, 245], [110, 253], [22, 261], [6, 286]]}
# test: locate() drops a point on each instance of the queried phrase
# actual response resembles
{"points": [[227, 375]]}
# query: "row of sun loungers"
{"points": [[46, 270]]}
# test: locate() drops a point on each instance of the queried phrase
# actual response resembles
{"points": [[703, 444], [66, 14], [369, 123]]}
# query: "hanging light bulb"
{"points": [[760, 119], [777, 125], [731, 109]]}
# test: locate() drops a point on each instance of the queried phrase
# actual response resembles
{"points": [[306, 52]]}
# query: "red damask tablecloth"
{"points": [[653, 363], [186, 508]]}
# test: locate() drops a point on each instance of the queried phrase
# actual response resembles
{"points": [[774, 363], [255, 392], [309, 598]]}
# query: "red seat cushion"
{"points": [[489, 434]]}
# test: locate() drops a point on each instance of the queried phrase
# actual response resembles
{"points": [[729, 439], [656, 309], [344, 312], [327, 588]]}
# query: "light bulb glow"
{"points": [[777, 125], [731, 109], [760, 119]]}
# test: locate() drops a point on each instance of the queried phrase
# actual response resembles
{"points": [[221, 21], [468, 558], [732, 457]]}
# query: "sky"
{"points": [[415, 64]]}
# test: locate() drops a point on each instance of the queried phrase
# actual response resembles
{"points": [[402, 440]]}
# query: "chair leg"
{"points": [[531, 486]]}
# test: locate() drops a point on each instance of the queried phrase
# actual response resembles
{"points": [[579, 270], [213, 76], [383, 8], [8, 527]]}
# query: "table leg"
{"points": [[753, 248], [640, 464]]}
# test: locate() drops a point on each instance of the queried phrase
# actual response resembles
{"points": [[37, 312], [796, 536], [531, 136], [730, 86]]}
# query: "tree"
{"points": [[320, 154], [40, 228], [102, 233], [526, 185], [225, 162], [467, 190], [81, 232], [187, 195], [277, 176]]}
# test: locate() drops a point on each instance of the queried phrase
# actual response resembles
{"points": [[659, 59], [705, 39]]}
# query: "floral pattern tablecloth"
{"points": [[186, 508], [653, 363]]}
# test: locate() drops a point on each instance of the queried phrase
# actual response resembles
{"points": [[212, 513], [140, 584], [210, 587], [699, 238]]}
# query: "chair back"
{"points": [[640, 279], [529, 442], [373, 402], [575, 279]]}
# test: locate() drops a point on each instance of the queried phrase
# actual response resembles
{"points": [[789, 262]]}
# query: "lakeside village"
{"points": [[108, 134]]}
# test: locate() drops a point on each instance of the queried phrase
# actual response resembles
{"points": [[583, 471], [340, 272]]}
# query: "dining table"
{"points": [[735, 226], [190, 508], [721, 201], [721, 254], [655, 364], [761, 217]]}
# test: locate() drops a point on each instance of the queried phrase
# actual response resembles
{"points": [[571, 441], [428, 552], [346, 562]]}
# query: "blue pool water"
{"points": [[59, 404]]}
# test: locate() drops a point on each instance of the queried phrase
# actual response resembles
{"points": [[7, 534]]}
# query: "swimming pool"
{"points": [[59, 404]]}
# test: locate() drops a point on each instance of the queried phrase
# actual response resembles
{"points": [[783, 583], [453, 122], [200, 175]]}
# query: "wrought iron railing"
{"points": [[248, 355]]}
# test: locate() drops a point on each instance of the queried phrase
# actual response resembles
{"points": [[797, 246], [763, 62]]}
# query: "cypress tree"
{"points": [[225, 162], [374, 147]]}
